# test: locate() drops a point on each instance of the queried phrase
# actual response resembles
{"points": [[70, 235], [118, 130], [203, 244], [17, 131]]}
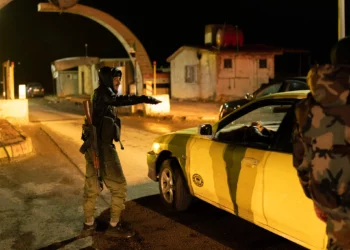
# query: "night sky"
{"points": [[34, 39]]}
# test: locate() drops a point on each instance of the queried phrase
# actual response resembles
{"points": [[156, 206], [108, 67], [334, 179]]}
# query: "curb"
{"points": [[9, 152]]}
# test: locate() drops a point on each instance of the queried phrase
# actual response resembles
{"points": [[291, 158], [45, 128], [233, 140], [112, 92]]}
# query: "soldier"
{"points": [[107, 125], [322, 144]]}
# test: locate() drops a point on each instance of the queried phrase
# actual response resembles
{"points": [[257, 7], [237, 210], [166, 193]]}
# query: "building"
{"points": [[79, 75], [223, 69]]}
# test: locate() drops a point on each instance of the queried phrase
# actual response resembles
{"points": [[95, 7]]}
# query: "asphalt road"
{"points": [[41, 195]]}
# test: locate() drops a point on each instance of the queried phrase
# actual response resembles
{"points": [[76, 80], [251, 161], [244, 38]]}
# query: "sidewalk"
{"points": [[179, 110], [13, 143]]}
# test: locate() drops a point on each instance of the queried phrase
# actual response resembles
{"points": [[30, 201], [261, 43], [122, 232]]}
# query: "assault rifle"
{"points": [[93, 142]]}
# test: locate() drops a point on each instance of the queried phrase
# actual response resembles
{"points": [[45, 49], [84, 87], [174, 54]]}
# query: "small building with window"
{"points": [[79, 75], [208, 73]]}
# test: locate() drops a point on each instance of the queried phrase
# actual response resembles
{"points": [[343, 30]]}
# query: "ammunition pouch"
{"points": [[118, 125], [86, 145], [109, 130], [86, 137]]}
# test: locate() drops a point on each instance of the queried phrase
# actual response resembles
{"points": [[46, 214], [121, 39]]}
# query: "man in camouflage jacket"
{"points": [[322, 144]]}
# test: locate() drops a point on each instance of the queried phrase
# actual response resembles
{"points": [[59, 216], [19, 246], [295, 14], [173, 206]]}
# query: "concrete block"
{"points": [[26, 146], [3, 153], [16, 150], [14, 110], [29, 144], [9, 150], [161, 108]]}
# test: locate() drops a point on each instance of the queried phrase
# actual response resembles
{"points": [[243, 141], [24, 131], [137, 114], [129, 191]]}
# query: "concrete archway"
{"points": [[119, 30]]}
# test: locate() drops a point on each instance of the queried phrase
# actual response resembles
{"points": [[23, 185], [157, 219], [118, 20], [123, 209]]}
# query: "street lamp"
{"points": [[341, 19]]}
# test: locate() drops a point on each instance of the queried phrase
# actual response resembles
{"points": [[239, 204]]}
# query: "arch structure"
{"points": [[142, 63], [4, 2]]}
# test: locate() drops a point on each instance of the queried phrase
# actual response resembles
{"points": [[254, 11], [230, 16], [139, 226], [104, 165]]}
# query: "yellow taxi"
{"points": [[242, 164]]}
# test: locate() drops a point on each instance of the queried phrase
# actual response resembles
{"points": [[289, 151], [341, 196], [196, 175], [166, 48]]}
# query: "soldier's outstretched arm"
{"points": [[127, 100]]}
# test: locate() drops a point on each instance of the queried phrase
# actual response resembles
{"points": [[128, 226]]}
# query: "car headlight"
{"points": [[155, 147]]}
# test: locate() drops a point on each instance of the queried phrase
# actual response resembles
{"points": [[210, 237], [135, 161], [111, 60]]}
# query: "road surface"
{"points": [[41, 195]]}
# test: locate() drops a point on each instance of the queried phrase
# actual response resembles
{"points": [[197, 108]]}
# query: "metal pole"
{"points": [[155, 77], [341, 19]]}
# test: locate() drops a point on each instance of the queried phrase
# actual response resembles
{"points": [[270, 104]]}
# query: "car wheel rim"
{"points": [[167, 186]]}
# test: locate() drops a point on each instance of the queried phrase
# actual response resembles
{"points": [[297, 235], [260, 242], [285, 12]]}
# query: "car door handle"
{"points": [[249, 162]]}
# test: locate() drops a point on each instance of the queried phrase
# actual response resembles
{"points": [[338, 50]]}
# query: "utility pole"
{"points": [[341, 19], [86, 49]]}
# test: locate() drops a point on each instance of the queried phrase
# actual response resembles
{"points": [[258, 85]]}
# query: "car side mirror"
{"points": [[205, 129]]}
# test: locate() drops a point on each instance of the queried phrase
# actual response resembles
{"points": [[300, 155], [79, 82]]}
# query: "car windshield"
{"points": [[34, 85], [272, 89]]}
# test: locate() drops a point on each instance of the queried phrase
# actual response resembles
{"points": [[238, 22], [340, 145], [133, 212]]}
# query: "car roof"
{"points": [[297, 94], [278, 80], [300, 78]]}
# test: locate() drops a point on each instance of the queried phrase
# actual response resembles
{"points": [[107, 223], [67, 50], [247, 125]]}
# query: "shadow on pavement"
{"points": [[218, 225], [201, 227], [99, 240]]}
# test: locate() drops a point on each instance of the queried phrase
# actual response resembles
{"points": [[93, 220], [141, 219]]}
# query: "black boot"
{"points": [[88, 230], [119, 231]]}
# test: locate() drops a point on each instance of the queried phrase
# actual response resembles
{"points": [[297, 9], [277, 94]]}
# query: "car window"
{"points": [[257, 128], [34, 85], [284, 139], [272, 89], [296, 85]]}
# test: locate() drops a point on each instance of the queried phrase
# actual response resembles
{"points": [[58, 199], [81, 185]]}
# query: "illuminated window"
{"points": [[228, 63], [190, 73]]}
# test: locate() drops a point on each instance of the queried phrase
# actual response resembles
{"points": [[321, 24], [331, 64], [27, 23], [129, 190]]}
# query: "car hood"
{"points": [[187, 131], [183, 133]]}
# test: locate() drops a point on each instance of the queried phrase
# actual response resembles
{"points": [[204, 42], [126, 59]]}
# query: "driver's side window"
{"points": [[256, 128]]}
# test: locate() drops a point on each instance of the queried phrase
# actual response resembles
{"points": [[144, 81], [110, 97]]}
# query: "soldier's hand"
{"points": [[320, 214], [151, 100]]}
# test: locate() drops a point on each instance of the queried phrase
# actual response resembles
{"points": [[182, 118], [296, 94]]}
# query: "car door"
{"points": [[286, 207], [227, 170]]}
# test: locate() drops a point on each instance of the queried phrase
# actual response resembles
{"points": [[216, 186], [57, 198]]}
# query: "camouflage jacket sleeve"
{"points": [[300, 150]]}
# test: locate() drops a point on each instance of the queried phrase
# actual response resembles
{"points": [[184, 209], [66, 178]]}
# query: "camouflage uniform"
{"points": [[107, 123], [112, 176], [322, 151]]}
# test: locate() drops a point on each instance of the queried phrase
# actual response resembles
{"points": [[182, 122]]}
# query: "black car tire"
{"points": [[173, 188]]}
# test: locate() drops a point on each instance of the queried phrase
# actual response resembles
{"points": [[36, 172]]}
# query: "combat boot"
{"points": [[119, 231], [88, 230]]}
